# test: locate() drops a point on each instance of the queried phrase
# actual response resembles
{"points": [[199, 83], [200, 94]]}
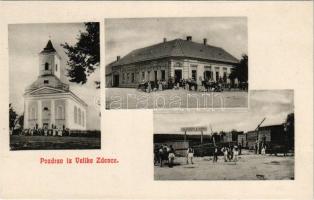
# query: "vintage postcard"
{"points": [[156, 100], [159, 63], [257, 144], [54, 106]]}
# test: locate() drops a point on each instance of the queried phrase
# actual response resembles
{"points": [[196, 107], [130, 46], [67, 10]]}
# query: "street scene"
{"points": [[257, 144], [248, 167], [176, 63]]}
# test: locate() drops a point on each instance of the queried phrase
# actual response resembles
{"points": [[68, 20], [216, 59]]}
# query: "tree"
{"points": [[12, 117], [289, 129], [241, 70], [20, 121], [84, 56]]}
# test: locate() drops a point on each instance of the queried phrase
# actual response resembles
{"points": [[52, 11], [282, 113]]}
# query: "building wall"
{"points": [[53, 61], [187, 65], [109, 81], [145, 71], [46, 113], [31, 114], [59, 112], [57, 66], [132, 75], [55, 112], [76, 121]]}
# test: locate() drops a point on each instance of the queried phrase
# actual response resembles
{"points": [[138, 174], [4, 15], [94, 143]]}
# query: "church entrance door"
{"points": [[45, 126]]}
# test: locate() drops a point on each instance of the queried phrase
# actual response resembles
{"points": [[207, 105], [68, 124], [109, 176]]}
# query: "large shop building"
{"points": [[49, 102], [178, 59]]}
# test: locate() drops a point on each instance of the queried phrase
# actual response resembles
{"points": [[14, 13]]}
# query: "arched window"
{"points": [[60, 112], [46, 66], [46, 109], [83, 118], [75, 114], [56, 67], [79, 116]]}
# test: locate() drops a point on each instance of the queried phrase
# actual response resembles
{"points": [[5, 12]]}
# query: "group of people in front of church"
{"points": [[54, 131]]}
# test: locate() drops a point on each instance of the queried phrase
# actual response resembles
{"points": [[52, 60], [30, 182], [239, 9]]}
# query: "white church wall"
{"points": [[57, 67], [74, 122], [59, 113], [46, 58]]}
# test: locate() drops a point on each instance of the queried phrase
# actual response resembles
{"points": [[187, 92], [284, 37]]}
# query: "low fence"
{"points": [[54, 132], [84, 133]]}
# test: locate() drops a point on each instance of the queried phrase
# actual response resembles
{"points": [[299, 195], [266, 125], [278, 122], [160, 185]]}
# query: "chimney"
{"points": [[205, 41], [165, 40], [189, 38], [118, 58]]}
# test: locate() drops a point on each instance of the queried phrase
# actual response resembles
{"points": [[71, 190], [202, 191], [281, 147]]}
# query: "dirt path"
{"points": [[249, 167]]}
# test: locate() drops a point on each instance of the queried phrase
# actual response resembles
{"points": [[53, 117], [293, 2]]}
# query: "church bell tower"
{"points": [[49, 61]]}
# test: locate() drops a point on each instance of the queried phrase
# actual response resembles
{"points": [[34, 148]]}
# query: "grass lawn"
{"points": [[18, 142]]}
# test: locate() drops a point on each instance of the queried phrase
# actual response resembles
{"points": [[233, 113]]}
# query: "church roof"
{"points": [[47, 80], [177, 48], [49, 48]]}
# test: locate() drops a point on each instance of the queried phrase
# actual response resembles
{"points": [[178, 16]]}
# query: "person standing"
{"points": [[149, 87], [235, 154], [190, 155], [264, 150], [225, 151], [215, 155], [171, 156]]}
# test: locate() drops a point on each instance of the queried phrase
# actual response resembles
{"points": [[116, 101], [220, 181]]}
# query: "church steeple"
{"points": [[49, 61], [49, 48]]}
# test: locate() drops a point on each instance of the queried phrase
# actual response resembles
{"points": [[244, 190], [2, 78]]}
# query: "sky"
{"points": [[25, 43], [274, 105], [124, 35]]}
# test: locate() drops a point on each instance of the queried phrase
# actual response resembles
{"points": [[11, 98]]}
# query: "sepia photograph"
{"points": [[54, 86], [257, 144], [157, 63]]}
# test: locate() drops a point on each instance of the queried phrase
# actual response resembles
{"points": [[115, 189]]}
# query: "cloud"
{"points": [[275, 111], [125, 35]]}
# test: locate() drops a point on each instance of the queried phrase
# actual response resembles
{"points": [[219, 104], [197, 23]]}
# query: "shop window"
{"points": [[143, 75], [132, 77], [194, 75]]}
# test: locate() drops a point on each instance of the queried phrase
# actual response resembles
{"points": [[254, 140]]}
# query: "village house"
{"points": [[177, 59]]}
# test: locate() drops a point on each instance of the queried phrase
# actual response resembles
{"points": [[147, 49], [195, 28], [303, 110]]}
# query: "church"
{"points": [[178, 59], [49, 102]]}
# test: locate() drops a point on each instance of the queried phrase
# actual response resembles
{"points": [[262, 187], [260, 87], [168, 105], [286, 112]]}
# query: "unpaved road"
{"points": [[249, 167]]}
